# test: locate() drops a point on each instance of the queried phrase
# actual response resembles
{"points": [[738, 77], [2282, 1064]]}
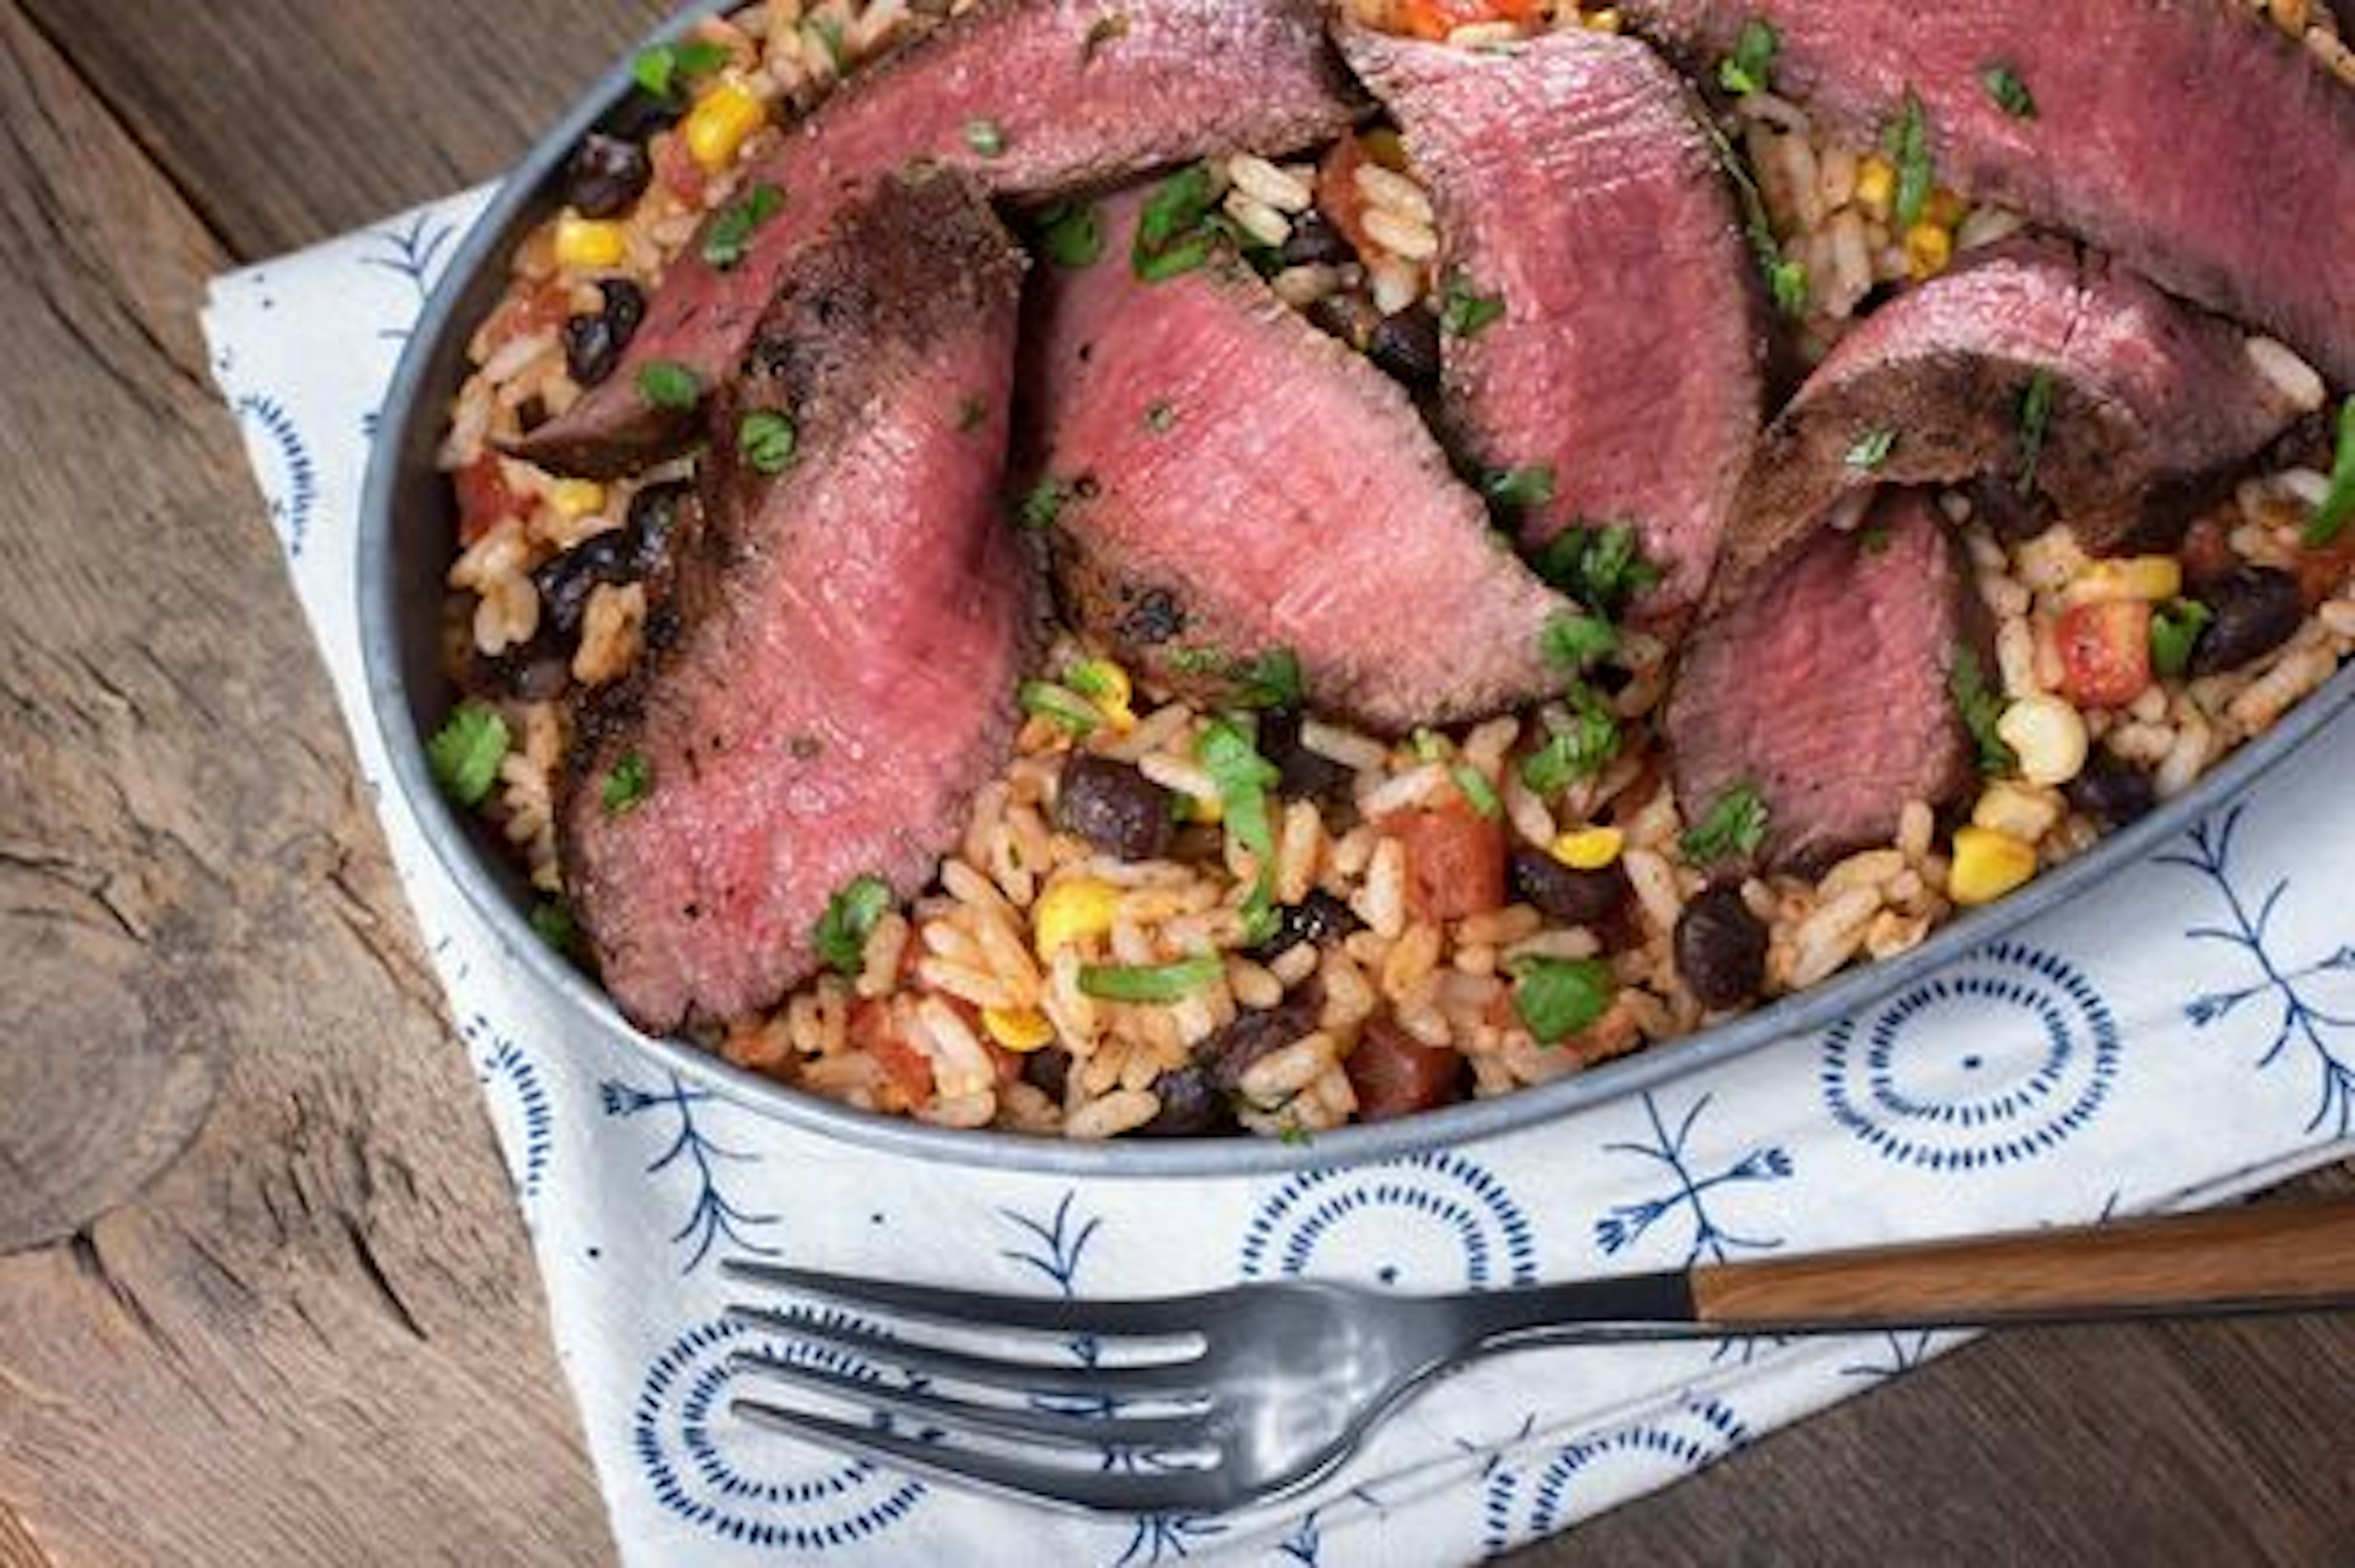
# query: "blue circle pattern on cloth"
{"points": [[777, 1493], [2036, 1064], [289, 484], [1544, 1492], [1332, 1219], [520, 1100]]}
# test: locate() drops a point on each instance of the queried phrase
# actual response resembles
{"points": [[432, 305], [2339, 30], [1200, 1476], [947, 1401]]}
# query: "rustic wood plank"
{"points": [[298, 1322], [283, 122]]}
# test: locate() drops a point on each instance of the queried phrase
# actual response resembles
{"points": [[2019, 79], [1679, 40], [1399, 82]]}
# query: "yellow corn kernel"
{"points": [[1606, 20], [1929, 250], [1588, 849], [1021, 1032], [1072, 910], [721, 121], [2018, 810], [2154, 579], [1988, 865], [1106, 685], [1876, 186], [2047, 735], [576, 498], [583, 243]]}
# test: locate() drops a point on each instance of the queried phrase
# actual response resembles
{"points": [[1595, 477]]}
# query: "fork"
{"points": [[1210, 1402]]}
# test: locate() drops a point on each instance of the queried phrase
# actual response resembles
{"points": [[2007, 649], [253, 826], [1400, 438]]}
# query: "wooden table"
{"points": [[262, 1296]]}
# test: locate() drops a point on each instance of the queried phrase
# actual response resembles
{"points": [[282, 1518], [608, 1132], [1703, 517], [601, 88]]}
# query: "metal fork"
{"points": [[1206, 1403]]}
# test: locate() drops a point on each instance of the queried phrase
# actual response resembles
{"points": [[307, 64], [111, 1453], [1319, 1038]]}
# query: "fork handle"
{"points": [[2271, 1257]]}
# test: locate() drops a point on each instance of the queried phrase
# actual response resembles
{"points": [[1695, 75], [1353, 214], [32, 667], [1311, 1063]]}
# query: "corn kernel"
{"points": [[1988, 865], [1876, 186], [583, 243], [721, 121], [2154, 579], [2018, 810], [1106, 685], [1588, 849], [2047, 735], [1606, 20], [1073, 910], [1020, 1031], [1929, 250], [576, 498]]}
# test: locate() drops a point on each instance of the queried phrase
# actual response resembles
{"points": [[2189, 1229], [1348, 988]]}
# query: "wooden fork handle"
{"points": [[2275, 1256]]}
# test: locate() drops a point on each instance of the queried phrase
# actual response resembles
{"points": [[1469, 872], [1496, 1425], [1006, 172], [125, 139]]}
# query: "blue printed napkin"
{"points": [[2185, 1034]]}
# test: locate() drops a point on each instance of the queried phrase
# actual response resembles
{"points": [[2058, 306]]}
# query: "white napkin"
{"points": [[2186, 1033]]}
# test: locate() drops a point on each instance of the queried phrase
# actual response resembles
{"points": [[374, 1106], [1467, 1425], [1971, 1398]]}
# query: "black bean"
{"points": [[566, 582], [653, 524], [639, 115], [1113, 808], [2111, 791], [2256, 609], [1562, 893], [1228, 1053], [1722, 949], [594, 344], [1302, 775], [1406, 343], [2008, 514], [1319, 918], [1191, 1106], [1048, 1070], [1349, 317], [1313, 241], [606, 177]]}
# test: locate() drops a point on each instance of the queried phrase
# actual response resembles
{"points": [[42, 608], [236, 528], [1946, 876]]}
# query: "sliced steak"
{"points": [[1036, 98], [2188, 137], [850, 630], [2151, 402], [1234, 482], [1827, 690], [1576, 185]]}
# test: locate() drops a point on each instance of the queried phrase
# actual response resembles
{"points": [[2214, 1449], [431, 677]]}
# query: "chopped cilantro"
{"points": [[1175, 232], [667, 384], [1150, 982], [2035, 420], [2174, 631], [851, 916], [1559, 997], [1295, 1136], [1751, 66], [765, 439], [552, 923], [829, 37], [663, 70], [2010, 94], [1981, 707], [1073, 233], [464, 754], [1907, 143], [1787, 281], [1271, 680], [1041, 505], [986, 137], [1062, 707], [1532, 486], [1477, 792], [1463, 311], [1574, 640], [1160, 418], [1734, 824], [1581, 750], [730, 234], [628, 784], [1872, 450], [1600, 567], [1098, 680], [2338, 502], [1243, 777]]}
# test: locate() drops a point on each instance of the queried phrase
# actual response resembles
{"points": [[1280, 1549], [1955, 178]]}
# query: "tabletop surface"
{"points": [[263, 1298]]}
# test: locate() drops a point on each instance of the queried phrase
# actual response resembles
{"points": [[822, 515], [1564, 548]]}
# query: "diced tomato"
{"points": [[675, 168], [2322, 571], [483, 499], [906, 1068], [1337, 192], [1434, 19], [1395, 1074], [538, 308], [2104, 653], [2207, 554], [1454, 859]]}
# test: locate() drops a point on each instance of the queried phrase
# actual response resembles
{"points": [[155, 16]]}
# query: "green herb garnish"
{"points": [[2174, 630], [1462, 311], [1872, 450], [1064, 708], [1787, 284], [1559, 997], [663, 70], [1907, 143], [1243, 777], [1751, 66], [1041, 506], [552, 923], [1160, 418], [1271, 680], [2035, 421], [1175, 233], [1735, 824], [2010, 94], [850, 918], [1096, 680], [1874, 538], [829, 37], [1787, 281], [730, 234], [1581, 750], [1477, 791], [464, 754], [1151, 982], [667, 384], [2338, 502], [1532, 486], [986, 137], [628, 784], [1295, 1136], [1072, 234], [765, 439], [1981, 707], [1574, 640], [1600, 567]]}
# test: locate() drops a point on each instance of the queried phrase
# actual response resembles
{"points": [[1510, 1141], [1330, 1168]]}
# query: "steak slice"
{"points": [[1825, 691], [850, 631], [1235, 483], [1576, 183], [2187, 137], [1066, 94], [2152, 402]]}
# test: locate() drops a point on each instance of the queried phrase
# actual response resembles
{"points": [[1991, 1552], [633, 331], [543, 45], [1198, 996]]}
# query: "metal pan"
{"points": [[407, 536]]}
